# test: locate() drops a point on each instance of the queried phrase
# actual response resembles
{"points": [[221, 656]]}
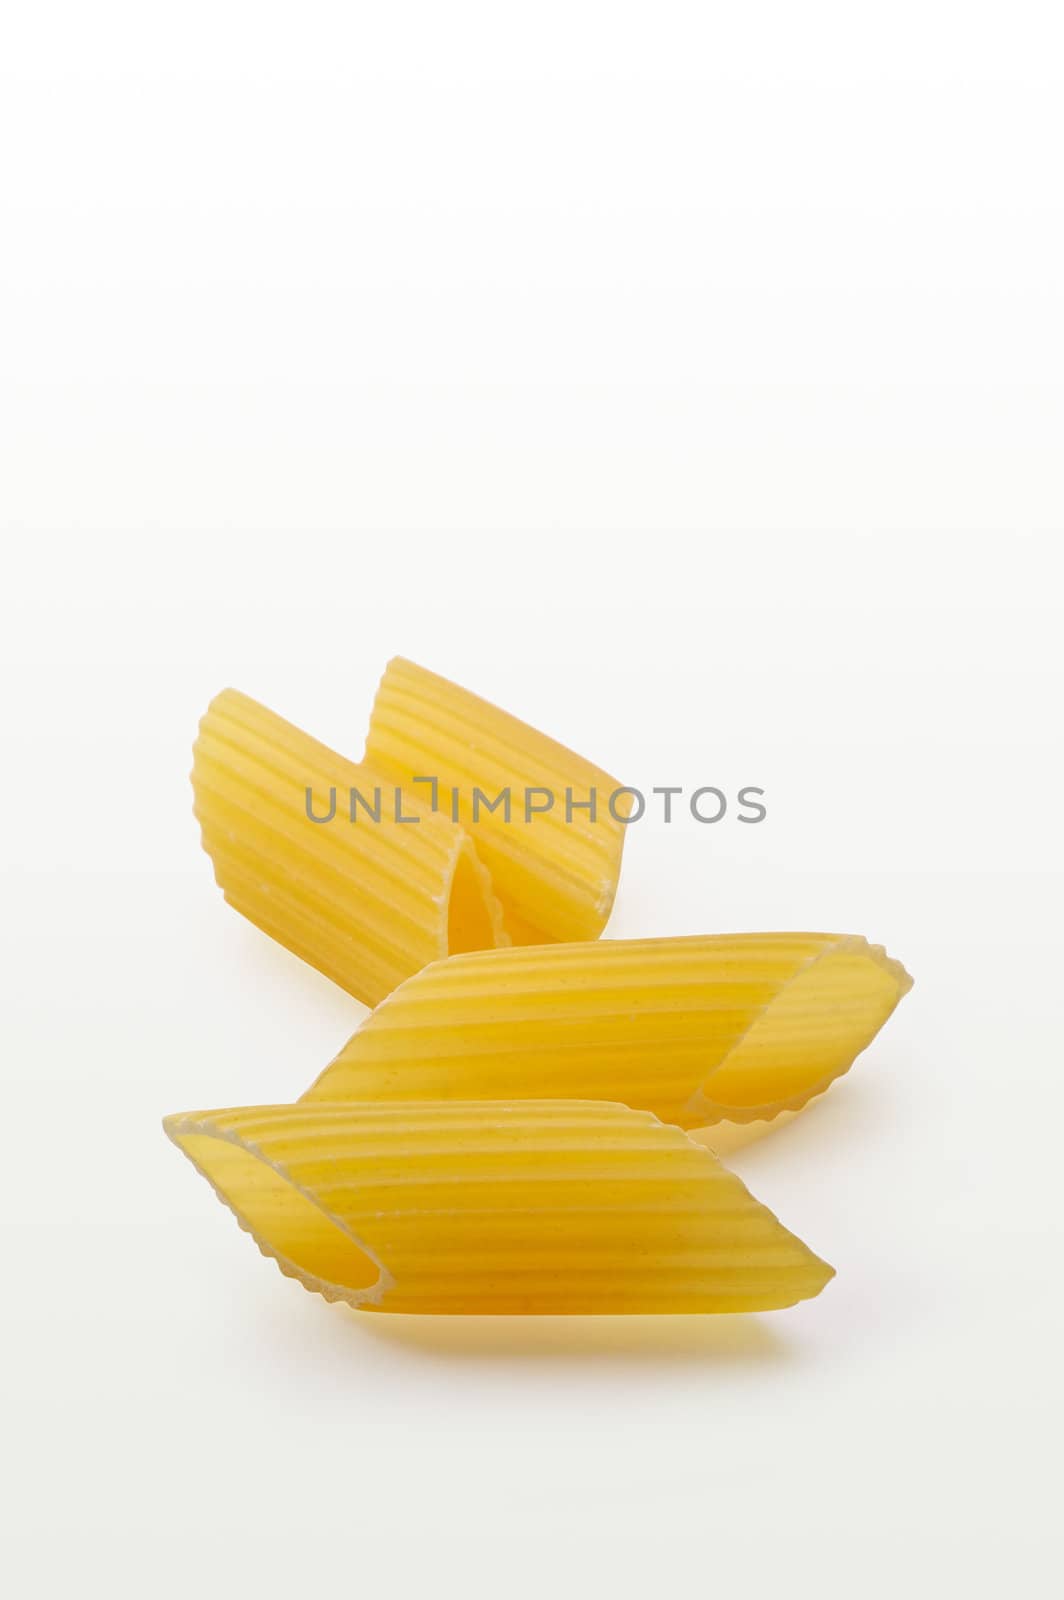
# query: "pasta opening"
{"points": [[285, 1222], [807, 1036], [470, 925]]}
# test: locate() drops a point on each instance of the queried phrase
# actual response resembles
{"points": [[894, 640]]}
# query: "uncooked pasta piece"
{"points": [[367, 901], [553, 836], [538, 1206], [728, 1027]]}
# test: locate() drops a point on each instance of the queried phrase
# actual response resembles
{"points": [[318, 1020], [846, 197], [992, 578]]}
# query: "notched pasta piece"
{"points": [[367, 901], [554, 862], [698, 1030], [537, 1206]]}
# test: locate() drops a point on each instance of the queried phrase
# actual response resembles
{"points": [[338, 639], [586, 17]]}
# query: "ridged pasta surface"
{"points": [[697, 1030], [556, 872], [497, 1207], [366, 902]]}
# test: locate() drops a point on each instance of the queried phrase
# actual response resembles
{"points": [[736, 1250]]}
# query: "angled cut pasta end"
{"points": [[286, 1222], [808, 1035]]}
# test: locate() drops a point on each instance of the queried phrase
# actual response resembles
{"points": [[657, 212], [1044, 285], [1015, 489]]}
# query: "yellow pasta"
{"points": [[728, 1027], [497, 1207], [365, 901], [554, 863]]}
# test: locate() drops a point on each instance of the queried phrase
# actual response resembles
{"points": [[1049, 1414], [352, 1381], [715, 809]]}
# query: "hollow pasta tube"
{"points": [[548, 825], [733, 1027], [366, 889], [526, 1207]]}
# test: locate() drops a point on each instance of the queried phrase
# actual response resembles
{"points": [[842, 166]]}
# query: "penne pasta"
{"points": [[732, 1027], [554, 839], [497, 1207], [367, 901]]}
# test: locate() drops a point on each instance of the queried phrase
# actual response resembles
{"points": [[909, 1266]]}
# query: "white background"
{"points": [[690, 381]]}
